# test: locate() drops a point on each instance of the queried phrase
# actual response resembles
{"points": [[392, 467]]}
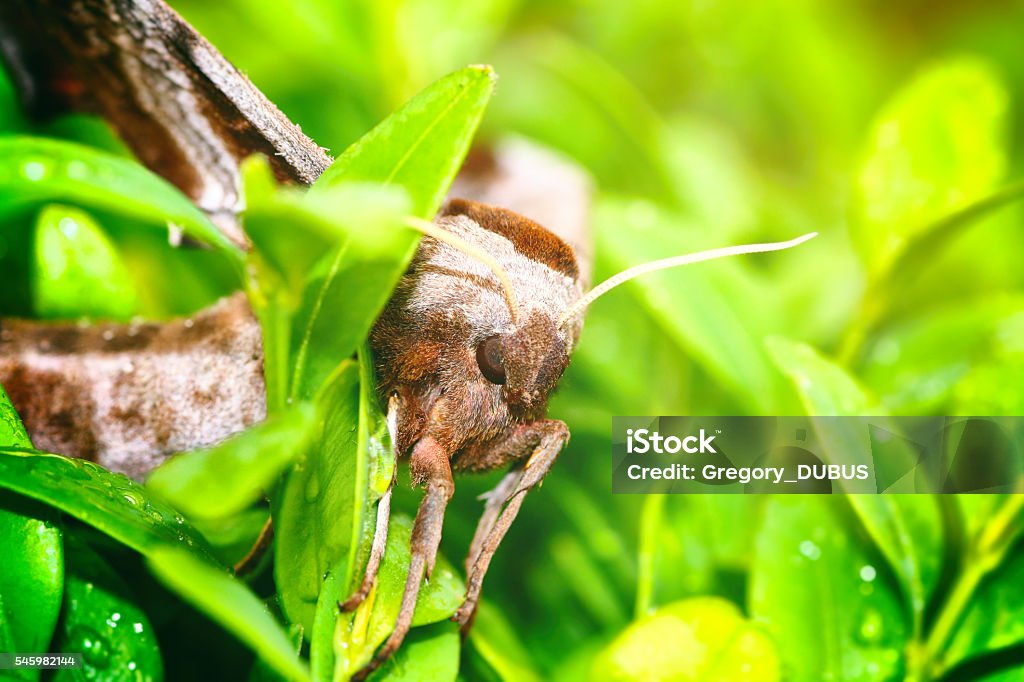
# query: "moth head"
{"points": [[526, 361], [471, 335]]}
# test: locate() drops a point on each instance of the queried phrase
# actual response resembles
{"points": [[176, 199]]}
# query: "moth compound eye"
{"points": [[488, 358]]}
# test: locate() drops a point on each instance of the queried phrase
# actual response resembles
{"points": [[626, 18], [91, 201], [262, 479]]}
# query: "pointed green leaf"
{"points": [[229, 602], [421, 146], [831, 611], [111, 502], [36, 170]]}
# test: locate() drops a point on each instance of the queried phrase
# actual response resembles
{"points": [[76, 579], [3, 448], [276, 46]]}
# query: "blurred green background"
{"points": [[892, 128]]}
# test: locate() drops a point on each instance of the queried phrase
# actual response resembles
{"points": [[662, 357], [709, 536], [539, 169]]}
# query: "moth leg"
{"points": [[496, 499], [380, 541], [548, 438], [429, 465]]}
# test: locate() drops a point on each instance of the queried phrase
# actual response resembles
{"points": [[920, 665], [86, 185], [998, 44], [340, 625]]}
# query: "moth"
{"points": [[468, 350]]}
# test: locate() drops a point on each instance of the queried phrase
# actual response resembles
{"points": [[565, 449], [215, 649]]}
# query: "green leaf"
{"points": [[229, 477], [495, 639], [907, 528], [429, 654], [229, 602], [421, 146], [78, 271], [697, 306], [825, 388], [111, 502], [704, 638], [831, 611], [310, 253], [104, 622], [319, 512], [324, 512], [362, 631], [937, 146], [917, 364], [31, 574], [12, 431], [36, 170], [330, 323], [372, 469]]}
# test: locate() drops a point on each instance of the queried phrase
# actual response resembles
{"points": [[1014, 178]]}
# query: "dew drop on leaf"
{"points": [[871, 627], [810, 550], [95, 651]]}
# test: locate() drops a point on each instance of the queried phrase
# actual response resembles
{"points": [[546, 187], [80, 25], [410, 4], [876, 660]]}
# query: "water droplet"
{"points": [[77, 170], [95, 651], [34, 170], [174, 234], [138, 628], [810, 550], [132, 498], [68, 227], [871, 628], [868, 573]]}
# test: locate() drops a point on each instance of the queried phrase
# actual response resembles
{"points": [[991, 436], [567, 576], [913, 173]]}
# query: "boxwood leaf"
{"points": [[421, 146], [361, 632], [111, 502], [104, 622], [429, 654], [32, 572], [229, 602], [36, 170], [321, 502], [78, 271], [304, 268], [830, 610]]}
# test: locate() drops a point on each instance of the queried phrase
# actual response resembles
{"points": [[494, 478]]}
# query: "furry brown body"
{"points": [[447, 304], [467, 380]]}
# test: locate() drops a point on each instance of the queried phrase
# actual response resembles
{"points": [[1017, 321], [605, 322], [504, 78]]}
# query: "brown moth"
{"points": [[466, 370], [468, 351]]}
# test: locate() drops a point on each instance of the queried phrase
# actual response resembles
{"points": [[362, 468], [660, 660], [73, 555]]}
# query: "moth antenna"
{"points": [[673, 262], [440, 234]]}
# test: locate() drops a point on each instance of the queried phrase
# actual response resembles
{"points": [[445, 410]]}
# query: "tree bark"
{"points": [[183, 109]]}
